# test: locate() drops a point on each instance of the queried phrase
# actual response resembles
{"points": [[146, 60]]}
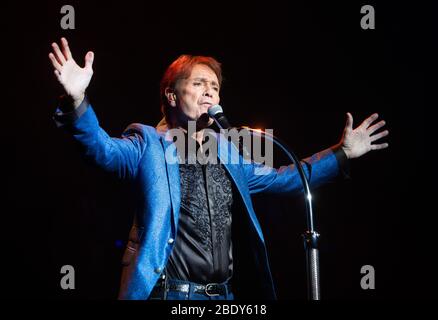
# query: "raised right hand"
{"points": [[73, 78]]}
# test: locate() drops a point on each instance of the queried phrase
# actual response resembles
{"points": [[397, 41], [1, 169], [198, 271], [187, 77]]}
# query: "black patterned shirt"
{"points": [[203, 248]]}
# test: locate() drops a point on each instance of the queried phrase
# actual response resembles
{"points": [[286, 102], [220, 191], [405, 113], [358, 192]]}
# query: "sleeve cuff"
{"points": [[62, 118], [343, 162]]}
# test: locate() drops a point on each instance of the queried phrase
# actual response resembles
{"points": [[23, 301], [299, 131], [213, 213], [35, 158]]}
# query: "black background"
{"points": [[294, 67]]}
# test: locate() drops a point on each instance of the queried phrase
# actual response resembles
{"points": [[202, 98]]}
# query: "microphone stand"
{"points": [[310, 236]]}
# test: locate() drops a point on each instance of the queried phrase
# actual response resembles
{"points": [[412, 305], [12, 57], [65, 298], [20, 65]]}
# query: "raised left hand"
{"points": [[357, 142]]}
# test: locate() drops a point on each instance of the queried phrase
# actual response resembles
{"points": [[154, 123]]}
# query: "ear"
{"points": [[171, 96]]}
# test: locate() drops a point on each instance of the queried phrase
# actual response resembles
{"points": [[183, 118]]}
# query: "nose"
{"points": [[207, 93], [208, 90]]}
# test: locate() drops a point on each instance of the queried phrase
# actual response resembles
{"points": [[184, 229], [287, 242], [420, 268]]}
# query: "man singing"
{"points": [[195, 234]]}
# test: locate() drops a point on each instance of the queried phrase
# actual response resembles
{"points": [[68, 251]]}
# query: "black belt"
{"points": [[209, 289]]}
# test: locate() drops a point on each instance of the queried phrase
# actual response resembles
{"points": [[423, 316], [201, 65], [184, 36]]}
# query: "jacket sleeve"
{"points": [[120, 156], [321, 168]]}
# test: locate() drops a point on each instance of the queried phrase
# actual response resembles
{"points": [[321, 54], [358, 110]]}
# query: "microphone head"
{"points": [[214, 110]]}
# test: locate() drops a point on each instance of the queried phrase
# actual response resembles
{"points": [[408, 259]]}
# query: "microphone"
{"points": [[217, 114]]}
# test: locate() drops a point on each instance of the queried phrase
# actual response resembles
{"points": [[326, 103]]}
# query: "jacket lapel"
{"points": [[172, 166], [229, 156]]}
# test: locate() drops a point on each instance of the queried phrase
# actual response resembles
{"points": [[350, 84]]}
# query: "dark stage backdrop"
{"points": [[296, 67]]}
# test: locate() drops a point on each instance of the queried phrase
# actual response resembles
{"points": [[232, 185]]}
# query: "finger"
{"points": [[55, 62], [58, 75], [58, 54], [349, 124], [379, 135], [366, 123], [379, 146], [65, 48], [376, 127], [89, 58]]}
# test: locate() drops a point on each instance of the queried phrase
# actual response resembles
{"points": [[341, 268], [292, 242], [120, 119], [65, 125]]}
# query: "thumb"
{"points": [[89, 58], [349, 124]]}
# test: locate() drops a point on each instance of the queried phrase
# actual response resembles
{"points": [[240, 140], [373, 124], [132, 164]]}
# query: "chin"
{"points": [[204, 121]]}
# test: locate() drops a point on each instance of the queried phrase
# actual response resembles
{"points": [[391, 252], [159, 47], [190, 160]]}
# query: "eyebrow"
{"points": [[206, 80]]}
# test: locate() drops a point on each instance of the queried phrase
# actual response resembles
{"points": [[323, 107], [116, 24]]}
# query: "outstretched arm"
{"points": [[118, 155], [322, 167]]}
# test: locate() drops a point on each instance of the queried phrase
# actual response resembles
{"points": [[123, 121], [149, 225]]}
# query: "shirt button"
{"points": [[170, 241], [157, 270]]}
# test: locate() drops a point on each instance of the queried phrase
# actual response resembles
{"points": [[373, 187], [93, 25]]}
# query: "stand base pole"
{"points": [[312, 261]]}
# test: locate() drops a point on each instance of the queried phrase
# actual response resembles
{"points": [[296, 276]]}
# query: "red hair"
{"points": [[181, 68]]}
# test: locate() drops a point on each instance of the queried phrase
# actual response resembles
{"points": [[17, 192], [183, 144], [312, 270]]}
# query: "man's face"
{"points": [[196, 94]]}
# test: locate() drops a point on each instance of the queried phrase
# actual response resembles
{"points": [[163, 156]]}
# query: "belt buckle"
{"points": [[208, 287]]}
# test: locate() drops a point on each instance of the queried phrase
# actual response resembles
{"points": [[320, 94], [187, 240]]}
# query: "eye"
{"points": [[216, 89], [196, 83]]}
